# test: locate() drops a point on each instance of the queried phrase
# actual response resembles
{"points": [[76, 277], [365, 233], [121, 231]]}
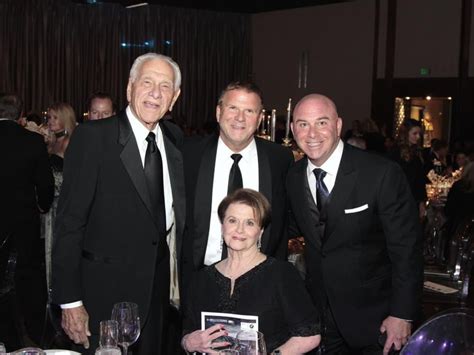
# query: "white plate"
{"points": [[61, 352]]}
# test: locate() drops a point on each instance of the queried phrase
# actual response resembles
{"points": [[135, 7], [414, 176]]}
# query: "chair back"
{"points": [[449, 332]]}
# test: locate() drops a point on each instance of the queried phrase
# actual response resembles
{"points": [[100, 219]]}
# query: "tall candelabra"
{"points": [[287, 139]]}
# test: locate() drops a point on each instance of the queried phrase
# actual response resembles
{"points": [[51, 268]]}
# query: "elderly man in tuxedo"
{"points": [[363, 241], [222, 162], [121, 211]]}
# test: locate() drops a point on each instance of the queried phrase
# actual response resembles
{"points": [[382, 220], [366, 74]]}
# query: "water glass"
{"points": [[251, 342], [108, 333], [108, 351], [229, 352]]}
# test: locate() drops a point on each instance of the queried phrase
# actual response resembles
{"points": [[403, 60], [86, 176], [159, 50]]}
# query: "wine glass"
{"points": [[229, 352], [251, 342], [126, 315]]}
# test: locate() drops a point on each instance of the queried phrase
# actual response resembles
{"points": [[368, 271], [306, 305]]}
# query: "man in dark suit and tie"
{"points": [[362, 238], [121, 211], [26, 189], [220, 163]]}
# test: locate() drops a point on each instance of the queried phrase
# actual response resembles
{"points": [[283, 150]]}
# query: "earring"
{"points": [[259, 243]]}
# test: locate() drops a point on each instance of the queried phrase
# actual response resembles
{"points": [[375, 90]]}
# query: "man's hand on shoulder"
{"points": [[398, 330], [75, 322]]}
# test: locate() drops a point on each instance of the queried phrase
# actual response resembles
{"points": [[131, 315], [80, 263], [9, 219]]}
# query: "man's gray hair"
{"points": [[137, 64], [11, 106]]}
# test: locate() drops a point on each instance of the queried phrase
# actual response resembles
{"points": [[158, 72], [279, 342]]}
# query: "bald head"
{"points": [[316, 100], [316, 127]]}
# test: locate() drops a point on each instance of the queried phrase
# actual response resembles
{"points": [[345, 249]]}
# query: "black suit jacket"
{"points": [[366, 260], [104, 211], [199, 157], [26, 183]]}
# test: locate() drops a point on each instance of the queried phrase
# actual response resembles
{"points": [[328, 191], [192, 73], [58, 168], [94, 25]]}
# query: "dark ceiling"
{"points": [[223, 5]]}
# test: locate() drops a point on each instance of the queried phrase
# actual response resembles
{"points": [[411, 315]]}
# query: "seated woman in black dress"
{"points": [[248, 282]]}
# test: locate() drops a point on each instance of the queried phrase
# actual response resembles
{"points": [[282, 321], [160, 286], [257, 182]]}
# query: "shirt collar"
{"points": [[331, 165], [247, 153], [139, 130]]}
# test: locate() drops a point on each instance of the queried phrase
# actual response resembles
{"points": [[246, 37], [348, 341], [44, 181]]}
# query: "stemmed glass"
{"points": [[126, 315], [251, 342]]}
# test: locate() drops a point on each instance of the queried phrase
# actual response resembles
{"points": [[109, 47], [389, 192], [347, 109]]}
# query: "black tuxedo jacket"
{"points": [[107, 240], [200, 157], [26, 183], [366, 259]]}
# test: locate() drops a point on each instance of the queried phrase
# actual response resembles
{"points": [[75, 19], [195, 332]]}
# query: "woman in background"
{"points": [[61, 124], [411, 160]]}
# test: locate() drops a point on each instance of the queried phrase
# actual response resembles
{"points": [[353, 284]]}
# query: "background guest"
{"points": [[460, 160], [61, 124], [438, 160], [460, 202], [410, 158], [286, 315], [100, 105], [358, 142], [26, 189], [355, 131], [373, 138]]}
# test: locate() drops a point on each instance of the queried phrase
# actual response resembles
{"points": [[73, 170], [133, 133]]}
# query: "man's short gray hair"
{"points": [[137, 64], [11, 106]]}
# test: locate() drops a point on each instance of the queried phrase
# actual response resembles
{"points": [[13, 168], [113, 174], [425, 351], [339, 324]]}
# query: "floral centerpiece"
{"points": [[440, 184]]}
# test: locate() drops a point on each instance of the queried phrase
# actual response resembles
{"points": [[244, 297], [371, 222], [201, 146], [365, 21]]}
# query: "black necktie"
{"points": [[322, 193], [235, 176], [235, 182], [154, 180]]}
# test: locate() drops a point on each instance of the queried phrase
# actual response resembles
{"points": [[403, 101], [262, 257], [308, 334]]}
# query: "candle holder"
{"points": [[287, 142]]}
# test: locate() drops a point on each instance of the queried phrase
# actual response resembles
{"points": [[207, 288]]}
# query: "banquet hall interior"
{"points": [[381, 61]]}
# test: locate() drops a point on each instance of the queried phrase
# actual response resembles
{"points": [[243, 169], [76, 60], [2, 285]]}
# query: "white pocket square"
{"points": [[356, 209]]}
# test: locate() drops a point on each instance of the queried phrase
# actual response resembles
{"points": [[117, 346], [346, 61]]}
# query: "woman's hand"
{"points": [[201, 340]]}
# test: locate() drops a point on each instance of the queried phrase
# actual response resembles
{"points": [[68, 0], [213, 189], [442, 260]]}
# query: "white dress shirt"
{"points": [[249, 168], [330, 166]]}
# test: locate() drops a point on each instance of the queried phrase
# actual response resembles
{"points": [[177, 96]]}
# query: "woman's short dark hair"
{"points": [[251, 198]]}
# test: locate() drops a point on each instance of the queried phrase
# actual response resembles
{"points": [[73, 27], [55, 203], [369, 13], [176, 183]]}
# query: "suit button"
{"points": [[323, 255], [154, 243]]}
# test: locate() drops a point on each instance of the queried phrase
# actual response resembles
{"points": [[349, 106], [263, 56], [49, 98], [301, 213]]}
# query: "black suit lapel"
{"points": [[264, 184], [131, 159], [307, 205], [174, 159], [203, 200], [345, 183]]}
